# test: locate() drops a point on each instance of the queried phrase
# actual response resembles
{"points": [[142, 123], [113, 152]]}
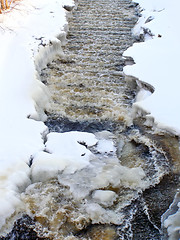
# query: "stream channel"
{"points": [[128, 186]]}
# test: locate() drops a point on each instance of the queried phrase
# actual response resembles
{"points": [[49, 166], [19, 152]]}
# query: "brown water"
{"points": [[87, 83]]}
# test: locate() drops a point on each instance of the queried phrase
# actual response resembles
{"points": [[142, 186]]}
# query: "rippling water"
{"points": [[134, 174], [87, 82]]}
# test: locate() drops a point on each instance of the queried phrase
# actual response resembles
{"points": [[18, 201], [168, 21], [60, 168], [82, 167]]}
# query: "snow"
{"points": [[157, 62], [105, 146], [65, 152], [30, 35], [23, 30]]}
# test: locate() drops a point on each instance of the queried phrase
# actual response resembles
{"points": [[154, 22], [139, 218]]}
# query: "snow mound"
{"points": [[65, 152], [30, 35]]}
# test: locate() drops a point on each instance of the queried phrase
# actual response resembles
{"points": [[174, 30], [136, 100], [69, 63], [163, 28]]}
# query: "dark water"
{"points": [[90, 93]]}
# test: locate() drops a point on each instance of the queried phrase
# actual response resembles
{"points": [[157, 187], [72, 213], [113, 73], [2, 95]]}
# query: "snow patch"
{"points": [[65, 152], [157, 62]]}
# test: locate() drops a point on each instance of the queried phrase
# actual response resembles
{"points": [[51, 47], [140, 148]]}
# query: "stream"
{"points": [[133, 176]]}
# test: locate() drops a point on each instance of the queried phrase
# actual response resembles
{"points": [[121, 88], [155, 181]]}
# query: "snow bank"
{"points": [[157, 62], [30, 34]]}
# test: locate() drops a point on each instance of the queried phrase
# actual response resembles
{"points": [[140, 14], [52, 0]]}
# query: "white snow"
{"points": [[23, 30], [65, 152], [157, 62], [106, 146]]}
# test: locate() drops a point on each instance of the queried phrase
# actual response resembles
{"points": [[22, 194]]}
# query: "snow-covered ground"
{"points": [[157, 62], [30, 34], [24, 31]]}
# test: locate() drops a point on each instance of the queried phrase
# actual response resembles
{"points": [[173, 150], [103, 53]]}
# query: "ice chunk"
{"points": [[99, 215], [171, 219], [105, 197], [142, 94], [118, 175]]}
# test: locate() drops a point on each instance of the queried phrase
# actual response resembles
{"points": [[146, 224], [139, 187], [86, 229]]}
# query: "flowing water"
{"points": [[134, 173], [87, 83]]}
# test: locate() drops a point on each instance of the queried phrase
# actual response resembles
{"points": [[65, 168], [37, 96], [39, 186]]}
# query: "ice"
{"points": [[99, 215], [171, 219], [8, 203], [14, 178], [68, 2], [118, 175], [142, 94], [157, 63], [104, 196], [173, 226], [95, 185]]}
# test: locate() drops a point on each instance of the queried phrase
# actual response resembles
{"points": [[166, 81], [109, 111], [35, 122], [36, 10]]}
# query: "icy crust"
{"points": [[88, 170], [171, 220], [30, 35], [90, 174], [156, 63], [70, 152]]}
